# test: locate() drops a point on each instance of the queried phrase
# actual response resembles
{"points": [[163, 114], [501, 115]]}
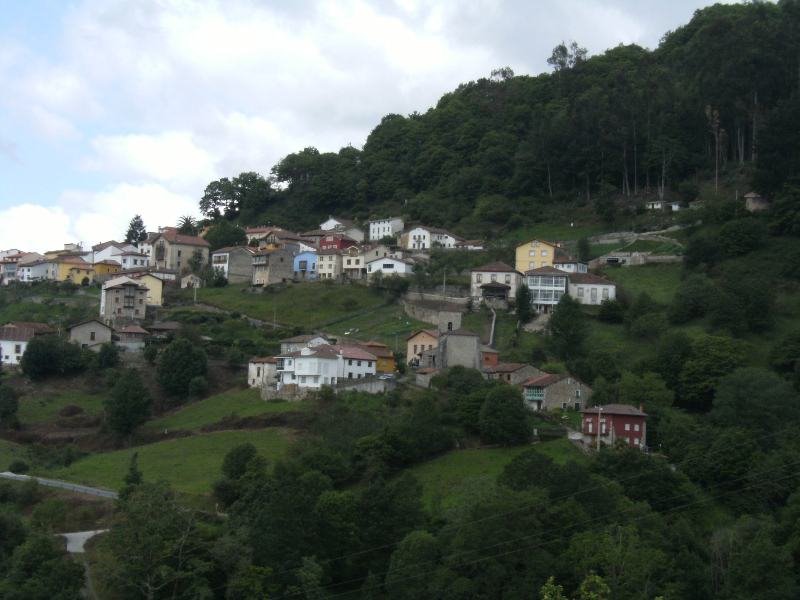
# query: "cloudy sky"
{"points": [[111, 108]]}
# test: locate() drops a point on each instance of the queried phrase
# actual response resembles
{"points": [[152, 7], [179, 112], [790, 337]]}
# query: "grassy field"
{"points": [[660, 281], [447, 481], [43, 407], [242, 403], [597, 250], [10, 452], [654, 246], [559, 231], [387, 324], [189, 464], [306, 305]]}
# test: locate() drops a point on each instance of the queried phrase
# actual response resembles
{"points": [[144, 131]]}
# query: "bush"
{"points": [[503, 417], [128, 405], [48, 355], [108, 356], [611, 311], [649, 326], [178, 364], [150, 353], [19, 467], [198, 386]]}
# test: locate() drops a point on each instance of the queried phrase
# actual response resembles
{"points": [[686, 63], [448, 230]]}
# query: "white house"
{"points": [[547, 285], [655, 205], [38, 270], [261, 371], [570, 265], [417, 238], [126, 255], [313, 367], [298, 342], [588, 288], [389, 266], [334, 223], [496, 280], [14, 338], [380, 228], [444, 239]]}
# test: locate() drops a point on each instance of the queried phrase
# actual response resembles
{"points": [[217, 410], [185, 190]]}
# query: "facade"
{"points": [[389, 266], [336, 241], [132, 337], [511, 373], [534, 254], [169, 249], [234, 262], [266, 234], [754, 202], [385, 356], [14, 338], [124, 254], [155, 288], [547, 286], [298, 342], [353, 266], [37, 270], [272, 266], [304, 266], [74, 269], [381, 228], [329, 264], [555, 391], [122, 301], [417, 238], [495, 280], [313, 367], [588, 288], [105, 269], [456, 348], [614, 422], [90, 334], [570, 265], [261, 371], [418, 342]]}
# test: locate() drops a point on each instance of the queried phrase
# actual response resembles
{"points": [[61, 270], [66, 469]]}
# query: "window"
{"points": [[544, 252], [350, 375], [18, 349], [91, 336], [350, 362], [119, 311], [508, 279], [449, 326], [141, 301], [116, 300], [359, 363], [605, 293], [479, 278], [415, 348], [532, 253], [635, 441], [136, 312], [258, 371], [627, 426], [636, 428], [531, 265], [494, 277], [563, 406], [578, 393], [590, 424], [179, 253]]}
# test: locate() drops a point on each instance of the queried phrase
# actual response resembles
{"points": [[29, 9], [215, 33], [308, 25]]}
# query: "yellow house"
{"points": [[155, 289], [74, 269], [420, 341], [105, 269], [534, 254], [386, 362]]}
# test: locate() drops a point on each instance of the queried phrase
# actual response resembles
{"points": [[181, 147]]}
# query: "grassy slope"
{"points": [[448, 480], [243, 403], [660, 281], [189, 464], [42, 407], [306, 305], [387, 324], [10, 452]]}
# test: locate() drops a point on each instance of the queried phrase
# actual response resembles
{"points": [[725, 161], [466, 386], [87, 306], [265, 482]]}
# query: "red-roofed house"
{"points": [[553, 391], [418, 342], [511, 373], [313, 367], [169, 249], [614, 422]]}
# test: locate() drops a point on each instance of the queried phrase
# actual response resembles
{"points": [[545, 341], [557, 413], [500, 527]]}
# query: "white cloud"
{"points": [[34, 227]]}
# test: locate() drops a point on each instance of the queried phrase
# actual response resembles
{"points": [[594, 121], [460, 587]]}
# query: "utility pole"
{"points": [[599, 426]]}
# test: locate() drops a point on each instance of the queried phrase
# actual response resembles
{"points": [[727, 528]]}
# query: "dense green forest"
{"points": [[718, 100]]}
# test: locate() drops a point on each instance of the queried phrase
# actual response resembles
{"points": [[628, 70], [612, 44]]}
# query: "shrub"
{"points": [[503, 417], [47, 355], [178, 364], [19, 467], [611, 311], [70, 410], [108, 356], [198, 386]]}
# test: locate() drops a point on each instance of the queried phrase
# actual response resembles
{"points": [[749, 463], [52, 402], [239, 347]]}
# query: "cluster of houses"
{"points": [[548, 271], [337, 251]]}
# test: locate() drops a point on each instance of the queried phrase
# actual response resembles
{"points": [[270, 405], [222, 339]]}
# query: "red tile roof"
{"points": [[616, 409], [21, 331], [495, 267], [173, 237], [544, 380], [505, 367], [355, 353], [431, 332]]}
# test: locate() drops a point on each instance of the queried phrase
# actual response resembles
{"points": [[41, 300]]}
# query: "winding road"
{"points": [[64, 485]]}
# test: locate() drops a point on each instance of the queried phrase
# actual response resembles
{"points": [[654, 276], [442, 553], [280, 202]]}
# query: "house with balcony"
{"points": [[304, 266], [552, 391], [493, 282], [123, 301], [547, 285], [612, 422], [313, 367], [272, 266]]}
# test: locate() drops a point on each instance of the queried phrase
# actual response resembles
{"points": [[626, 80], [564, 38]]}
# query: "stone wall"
{"points": [[439, 318]]}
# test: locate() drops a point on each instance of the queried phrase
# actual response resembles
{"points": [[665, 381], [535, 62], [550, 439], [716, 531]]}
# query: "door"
{"points": [[594, 295]]}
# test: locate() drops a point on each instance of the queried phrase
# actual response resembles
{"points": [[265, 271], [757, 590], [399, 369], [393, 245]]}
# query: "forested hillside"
{"points": [[717, 101]]}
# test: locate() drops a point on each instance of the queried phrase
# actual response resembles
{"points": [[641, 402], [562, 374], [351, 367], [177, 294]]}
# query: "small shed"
{"points": [[754, 202]]}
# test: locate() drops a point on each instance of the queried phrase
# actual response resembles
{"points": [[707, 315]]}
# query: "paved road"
{"points": [[64, 485], [77, 539]]}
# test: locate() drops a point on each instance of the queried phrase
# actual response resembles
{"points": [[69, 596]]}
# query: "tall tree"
{"points": [[567, 329], [128, 405], [187, 225], [136, 231]]}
